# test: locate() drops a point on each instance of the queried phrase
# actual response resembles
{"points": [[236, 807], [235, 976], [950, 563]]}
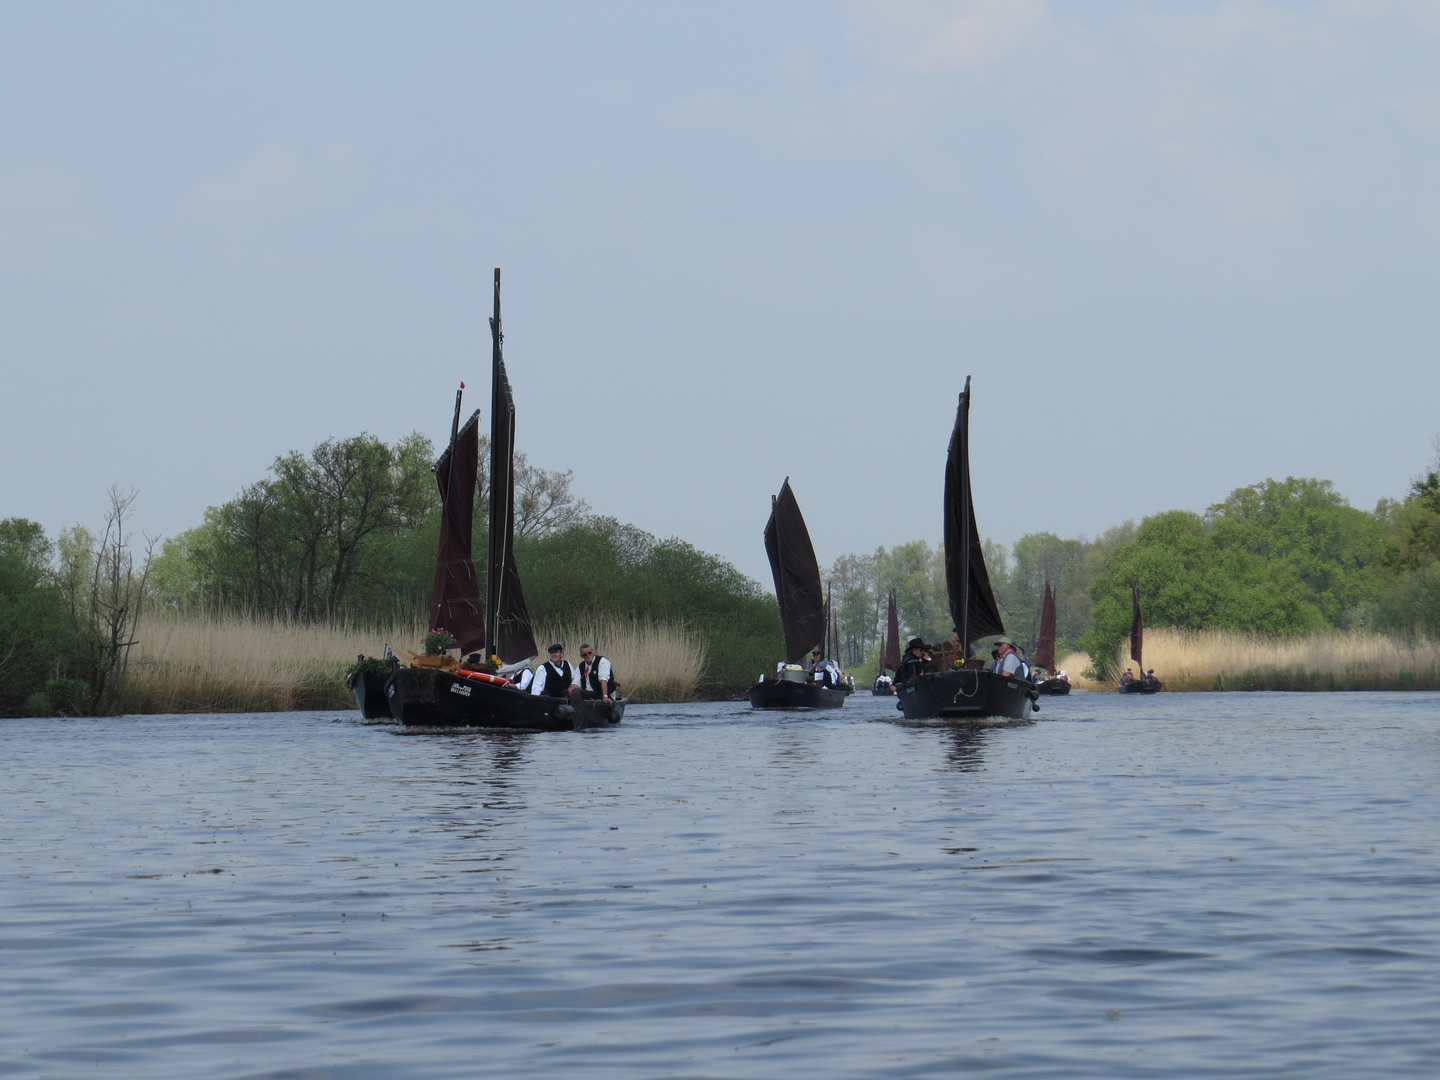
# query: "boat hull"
{"points": [[1142, 686], [966, 694], [370, 697], [785, 694], [421, 697], [1054, 686], [883, 691]]}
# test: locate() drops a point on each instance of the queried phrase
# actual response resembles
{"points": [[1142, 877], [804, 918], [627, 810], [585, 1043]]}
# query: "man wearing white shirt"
{"points": [[596, 676], [556, 677]]}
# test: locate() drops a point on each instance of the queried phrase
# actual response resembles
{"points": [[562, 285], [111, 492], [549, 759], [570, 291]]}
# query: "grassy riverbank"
{"points": [[1220, 660], [193, 664]]}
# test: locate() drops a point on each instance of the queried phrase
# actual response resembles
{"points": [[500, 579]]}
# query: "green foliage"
{"points": [[35, 638], [369, 666], [303, 541], [59, 697], [1194, 576], [1409, 605], [1332, 548], [437, 642], [600, 566], [1041, 558]]}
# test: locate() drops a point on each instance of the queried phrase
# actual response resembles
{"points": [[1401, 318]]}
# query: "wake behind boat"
{"points": [[803, 614], [441, 691], [962, 689]]}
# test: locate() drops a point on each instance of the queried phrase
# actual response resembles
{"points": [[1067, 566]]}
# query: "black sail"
{"points": [[1137, 628], [797, 576], [891, 657], [455, 603], [972, 601], [507, 617], [1045, 649]]}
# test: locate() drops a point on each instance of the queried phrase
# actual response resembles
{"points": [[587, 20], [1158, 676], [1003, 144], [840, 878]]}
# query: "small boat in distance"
{"points": [[439, 691], [803, 613], [1145, 682], [962, 689], [1045, 648], [890, 656]]}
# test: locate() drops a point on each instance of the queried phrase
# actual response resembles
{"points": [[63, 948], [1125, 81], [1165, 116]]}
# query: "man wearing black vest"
{"points": [[597, 679], [555, 677]]}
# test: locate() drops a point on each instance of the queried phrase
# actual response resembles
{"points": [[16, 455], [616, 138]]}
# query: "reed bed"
{"points": [[653, 661], [1074, 665], [1222, 660], [204, 663]]}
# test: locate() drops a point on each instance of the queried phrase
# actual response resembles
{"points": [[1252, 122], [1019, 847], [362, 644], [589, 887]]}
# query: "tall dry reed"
{"points": [[204, 663], [1224, 660], [653, 661]]}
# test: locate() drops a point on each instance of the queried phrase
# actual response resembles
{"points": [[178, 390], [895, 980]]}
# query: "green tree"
{"points": [[1189, 580], [35, 638], [1041, 558], [1330, 546]]}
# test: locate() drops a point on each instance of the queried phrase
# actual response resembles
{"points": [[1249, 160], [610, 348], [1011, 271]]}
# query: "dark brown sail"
{"points": [[890, 659], [797, 576], [507, 619], [1045, 648], [1137, 629], [972, 602], [455, 603]]}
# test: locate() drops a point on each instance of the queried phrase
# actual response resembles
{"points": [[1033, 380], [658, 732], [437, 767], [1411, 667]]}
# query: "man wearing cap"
{"points": [[556, 677], [1009, 662]]}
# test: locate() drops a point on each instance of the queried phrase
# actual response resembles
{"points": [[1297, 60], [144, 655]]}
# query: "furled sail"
{"points": [[1137, 629], [797, 576], [507, 617], [972, 602], [455, 603], [1045, 648], [891, 657]]}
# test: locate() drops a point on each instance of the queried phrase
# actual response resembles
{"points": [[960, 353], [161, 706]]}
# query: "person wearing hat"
{"points": [[556, 677], [913, 662], [1009, 662]]}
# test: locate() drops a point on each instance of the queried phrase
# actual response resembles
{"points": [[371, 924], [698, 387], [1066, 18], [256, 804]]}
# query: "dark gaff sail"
{"points": [[972, 601], [507, 619], [1045, 648], [1137, 629], [797, 576], [455, 603], [890, 659]]}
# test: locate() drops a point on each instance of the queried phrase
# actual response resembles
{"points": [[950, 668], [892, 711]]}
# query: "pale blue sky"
{"points": [[1180, 247]]}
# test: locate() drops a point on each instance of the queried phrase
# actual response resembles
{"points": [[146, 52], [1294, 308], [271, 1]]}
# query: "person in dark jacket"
{"points": [[914, 661]]}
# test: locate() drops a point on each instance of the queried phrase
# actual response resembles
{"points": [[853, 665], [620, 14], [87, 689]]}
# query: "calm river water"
{"points": [[1182, 886]]}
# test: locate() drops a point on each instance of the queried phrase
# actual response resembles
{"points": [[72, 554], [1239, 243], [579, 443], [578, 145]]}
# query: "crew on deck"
{"points": [[883, 682], [597, 677], [556, 677], [1008, 661], [914, 661]]}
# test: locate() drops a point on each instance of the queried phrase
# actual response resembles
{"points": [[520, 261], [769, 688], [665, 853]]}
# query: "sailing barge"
{"points": [[962, 689], [802, 612], [1145, 683], [440, 691], [1045, 648]]}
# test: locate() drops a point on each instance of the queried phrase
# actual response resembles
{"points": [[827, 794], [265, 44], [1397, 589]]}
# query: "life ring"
{"points": [[483, 676]]}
